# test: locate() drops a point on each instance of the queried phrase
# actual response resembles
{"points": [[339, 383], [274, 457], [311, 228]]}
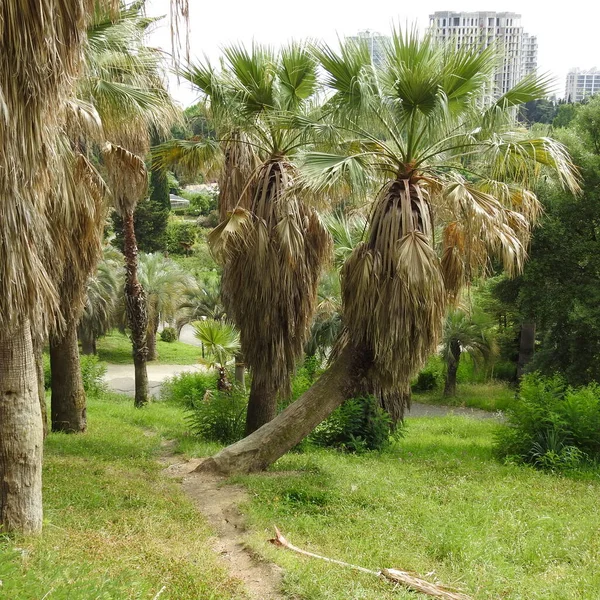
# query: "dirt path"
{"points": [[219, 503]]}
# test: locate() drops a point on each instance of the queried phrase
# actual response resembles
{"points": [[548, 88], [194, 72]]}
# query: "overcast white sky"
{"points": [[568, 32]]}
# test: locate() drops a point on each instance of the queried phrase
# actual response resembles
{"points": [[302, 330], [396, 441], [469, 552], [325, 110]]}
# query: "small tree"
{"points": [[470, 333], [222, 341]]}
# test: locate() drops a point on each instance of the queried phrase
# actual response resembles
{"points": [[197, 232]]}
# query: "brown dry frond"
{"points": [[273, 252], [127, 175], [40, 52], [393, 292]]}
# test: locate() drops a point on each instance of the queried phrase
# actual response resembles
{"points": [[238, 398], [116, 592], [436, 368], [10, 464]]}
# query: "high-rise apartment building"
{"points": [[481, 29], [582, 84], [375, 42]]}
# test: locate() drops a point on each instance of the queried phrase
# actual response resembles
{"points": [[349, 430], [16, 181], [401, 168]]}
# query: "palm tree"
{"points": [[270, 241], [164, 283], [418, 132], [40, 46], [470, 333], [102, 294], [199, 302], [222, 341]]}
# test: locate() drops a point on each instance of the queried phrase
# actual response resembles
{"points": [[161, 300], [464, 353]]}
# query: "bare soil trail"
{"points": [[219, 502]]}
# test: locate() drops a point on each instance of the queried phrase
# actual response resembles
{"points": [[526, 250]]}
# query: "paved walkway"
{"points": [[120, 378]]}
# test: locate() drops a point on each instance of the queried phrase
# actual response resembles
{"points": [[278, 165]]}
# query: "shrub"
{"points": [[552, 426], [219, 416], [357, 426], [431, 376], [210, 220], [92, 373], [169, 334], [188, 389], [181, 236]]}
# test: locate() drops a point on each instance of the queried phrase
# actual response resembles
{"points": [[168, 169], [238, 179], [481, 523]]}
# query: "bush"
{"points": [[552, 426], [219, 416], [181, 236], [210, 220], [188, 389], [92, 373], [431, 376], [169, 334], [359, 425]]}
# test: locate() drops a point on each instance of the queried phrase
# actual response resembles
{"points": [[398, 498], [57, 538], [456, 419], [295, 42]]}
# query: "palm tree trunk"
{"points": [[38, 352], [526, 346], [88, 343], [240, 371], [137, 314], [453, 361], [21, 434], [68, 401], [263, 447], [262, 405]]}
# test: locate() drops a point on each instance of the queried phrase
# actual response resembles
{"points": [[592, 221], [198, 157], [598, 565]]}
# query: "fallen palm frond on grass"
{"points": [[404, 578]]}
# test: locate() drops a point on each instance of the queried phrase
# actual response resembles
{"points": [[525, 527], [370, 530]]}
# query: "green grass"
{"points": [[492, 396], [438, 503], [116, 528], [116, 348]]}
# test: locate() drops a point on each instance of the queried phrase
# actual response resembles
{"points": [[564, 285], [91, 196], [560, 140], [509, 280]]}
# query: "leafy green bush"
{"points": [[357, 426], [551, 425], [47, 371], [505, 370], [219, 416], [169, 334], [431, 376], [181, 236], [188, 389], [92, 373]]}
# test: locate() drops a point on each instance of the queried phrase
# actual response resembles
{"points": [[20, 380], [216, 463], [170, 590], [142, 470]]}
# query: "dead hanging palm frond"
{"points": [[393, 292], [272, 254], [127, 175], [40, 45]]}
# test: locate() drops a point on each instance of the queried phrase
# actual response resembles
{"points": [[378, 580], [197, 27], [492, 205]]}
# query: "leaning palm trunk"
{"points": [[68, 402], [21, 433], [137, 315], [271, 441], [277, 248]]}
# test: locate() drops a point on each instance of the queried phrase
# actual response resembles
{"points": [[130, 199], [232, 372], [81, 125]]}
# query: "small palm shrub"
{"points": [[551, 425], [169, 334], [188, 389], [92, 373], [219, 416], [359, 425]]}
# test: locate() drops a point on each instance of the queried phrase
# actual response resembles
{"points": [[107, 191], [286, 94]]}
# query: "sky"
{"points": [[568, 35]]}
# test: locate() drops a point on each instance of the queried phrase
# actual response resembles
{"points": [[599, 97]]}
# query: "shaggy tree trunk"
{"points": [[263, 447], [21, 434], [526, 347], [88, 343], [240, 371], [38, 352], [137, 314], [68, 401], [453, 360], [262, 405]]}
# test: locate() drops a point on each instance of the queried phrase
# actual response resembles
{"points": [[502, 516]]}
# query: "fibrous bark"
{"points": [[68, 401], [21, 433], [452, 369], [137, 314], [38, 352]]}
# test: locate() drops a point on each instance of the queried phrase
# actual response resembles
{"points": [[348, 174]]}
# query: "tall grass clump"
{"points": [[188, 389], [551, 425]]}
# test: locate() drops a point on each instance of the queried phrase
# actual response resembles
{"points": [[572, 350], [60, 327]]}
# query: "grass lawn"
{"points": [[437, 503], [116, 348], [492, 396], [115, 528]]}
